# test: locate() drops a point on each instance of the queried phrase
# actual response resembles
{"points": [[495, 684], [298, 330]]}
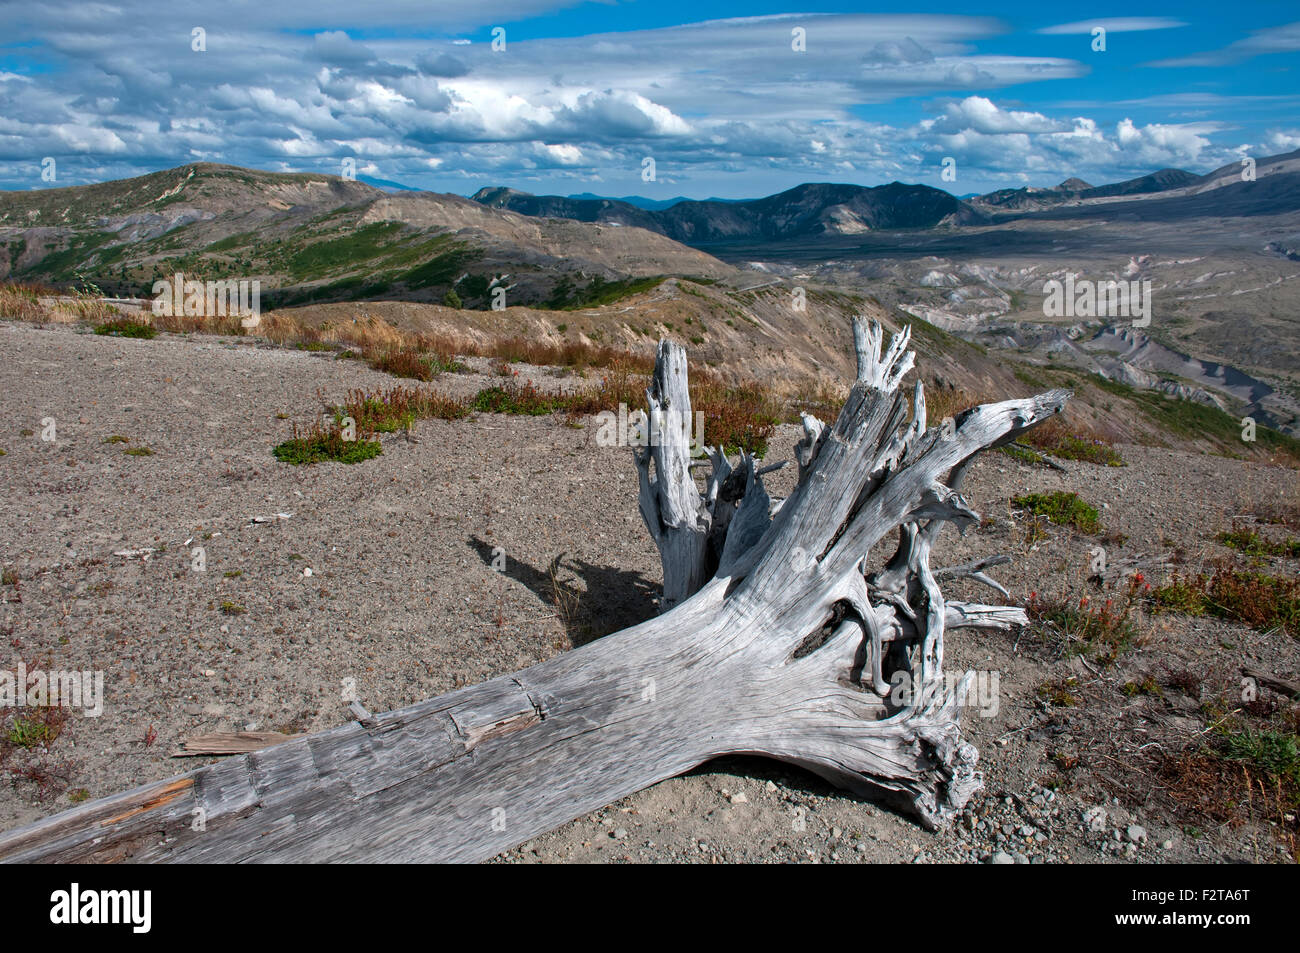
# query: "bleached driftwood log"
{"points": [[777, 640]]}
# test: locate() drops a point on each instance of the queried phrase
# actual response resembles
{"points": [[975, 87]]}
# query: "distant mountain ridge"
{"points": [[1074, 189], [640, 201], [824, 209], [1278, 178], [805, 210], [1161, 181]]}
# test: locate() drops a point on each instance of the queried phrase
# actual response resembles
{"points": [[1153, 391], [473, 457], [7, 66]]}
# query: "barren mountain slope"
{"points": [[313, 236]]}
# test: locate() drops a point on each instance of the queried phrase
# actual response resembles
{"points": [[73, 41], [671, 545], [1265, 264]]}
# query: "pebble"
{"points": [[619, 834], [1137, 834], [738, 798], [1002, 857]]}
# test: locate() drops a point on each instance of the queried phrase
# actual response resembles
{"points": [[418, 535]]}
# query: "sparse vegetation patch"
{"points": [[1102, 631], [1061, 508], [319, 443], [126, 328], [1257, 599], [1253, 543]]}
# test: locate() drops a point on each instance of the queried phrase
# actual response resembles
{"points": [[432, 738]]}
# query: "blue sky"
{"points": [[583, 93]]}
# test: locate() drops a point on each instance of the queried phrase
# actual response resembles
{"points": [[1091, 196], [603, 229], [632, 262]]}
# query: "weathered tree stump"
{"points": [[775, 640]]}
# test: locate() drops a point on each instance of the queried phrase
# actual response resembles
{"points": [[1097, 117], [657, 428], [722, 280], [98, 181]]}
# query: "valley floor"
{"points": [[381, 573]]}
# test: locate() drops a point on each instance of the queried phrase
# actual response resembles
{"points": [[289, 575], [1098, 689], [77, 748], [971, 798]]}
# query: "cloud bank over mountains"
{"points": [[870, 99]]}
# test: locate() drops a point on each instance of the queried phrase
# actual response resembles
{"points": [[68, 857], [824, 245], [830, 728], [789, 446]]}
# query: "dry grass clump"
{"points": [[1059, 436], [197, 323], [624, 382], [404, 362], [347, 434], [422, 360], [1073, 440], [524, 399], [736, 416], [89, 308], [397, 408], [943, 402], [22, 302], [366, 333], [823, 401], [575, 354]]}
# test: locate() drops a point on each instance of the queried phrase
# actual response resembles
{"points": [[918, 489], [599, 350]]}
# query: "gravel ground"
{"points": [[380, 573]]}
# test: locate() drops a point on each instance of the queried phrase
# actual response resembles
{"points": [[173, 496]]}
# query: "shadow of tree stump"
{"points": [[608, 600]]}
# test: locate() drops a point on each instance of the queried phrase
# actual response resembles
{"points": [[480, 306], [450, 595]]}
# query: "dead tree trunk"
{"points": [[776, 641]]}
